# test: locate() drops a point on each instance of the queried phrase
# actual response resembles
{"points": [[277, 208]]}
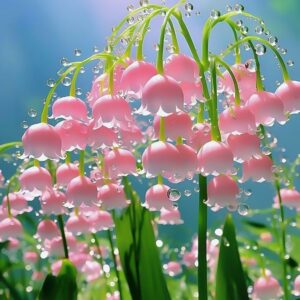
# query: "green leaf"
{"points": [[230, 278], [138, 252], [61, 287]]}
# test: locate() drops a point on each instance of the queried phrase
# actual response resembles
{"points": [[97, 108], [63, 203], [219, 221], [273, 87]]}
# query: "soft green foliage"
{"points": [[61, 287], [138, 252], [230, 278]]}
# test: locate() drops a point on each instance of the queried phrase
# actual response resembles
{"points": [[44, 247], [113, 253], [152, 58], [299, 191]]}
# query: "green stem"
{"points": [[283, 242], [236, 87], [63, 236], [115, 263], [207, 28], [202, 230], [8, 203], [215, 131], [81, 162], [160, 55], [68, 157], [174, 37], [162, 130], [284, 70], [74, 80]]}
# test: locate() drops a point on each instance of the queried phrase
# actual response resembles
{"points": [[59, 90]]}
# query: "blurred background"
{"points": [[36, 35]]}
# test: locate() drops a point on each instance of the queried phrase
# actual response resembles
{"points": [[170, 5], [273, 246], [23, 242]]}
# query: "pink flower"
{"points": [[47, 229], [10, 228], [170, 216], [215, 158], [173, 268], [52, 202], [289, 93], [266, 288], [161, 96], [42, 142], [65, 173], [81, 190], [289, 197], [69, 108], [222, 191], [157, 198], [259, 169], [136, 75]]}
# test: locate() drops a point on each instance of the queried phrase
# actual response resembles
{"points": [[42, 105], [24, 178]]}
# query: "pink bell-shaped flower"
{"points": [[81, 190], [110, 111], [157, 198], [161, 96], [215, 158], [186, 164], [172, 268], [114, 296], [42, 142], [69, 108], [65, 173], [130, 135], [99, 89], [10, 228], [47, 229], [159, 157], [237, 120], [189, 259], [289, 93], [101, 137], [177, 124], [200, 135], [245, 78], [259, 169], [136, 75], [73, 134], [296, 291], [289, 197], [78, 224], [266, 237], [18, 203], [181, 67], [266, 108], [244, 146], [79, 260], [170, 217], [52, 202], [192, 92], [112, 196], [34, 181], [222, 191], [101, 220], [92, 270], [266, 288], [119, 162], [30, 257]]}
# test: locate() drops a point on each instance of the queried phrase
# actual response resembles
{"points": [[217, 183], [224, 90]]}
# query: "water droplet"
{"points": [[273, 40], [77, 52], [260, 49], [251, 65], [259, 29], [66, 81], [32, 113], [156, 47], [173, 194], [188, 7], [225, 242], [290, 63], [130, 20], [78, 92], [24, 124], [228, 8], [244, 29], [215, 14], [96, 49], [243, 209], [50, 82], [283, 51], [64, 62], [239, 7], [187, 193], [130, 7]]}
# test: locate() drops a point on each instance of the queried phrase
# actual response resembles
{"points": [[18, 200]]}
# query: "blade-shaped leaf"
{"points": [[230, 284], [7, 146], [138, 252], [63, 286]]}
